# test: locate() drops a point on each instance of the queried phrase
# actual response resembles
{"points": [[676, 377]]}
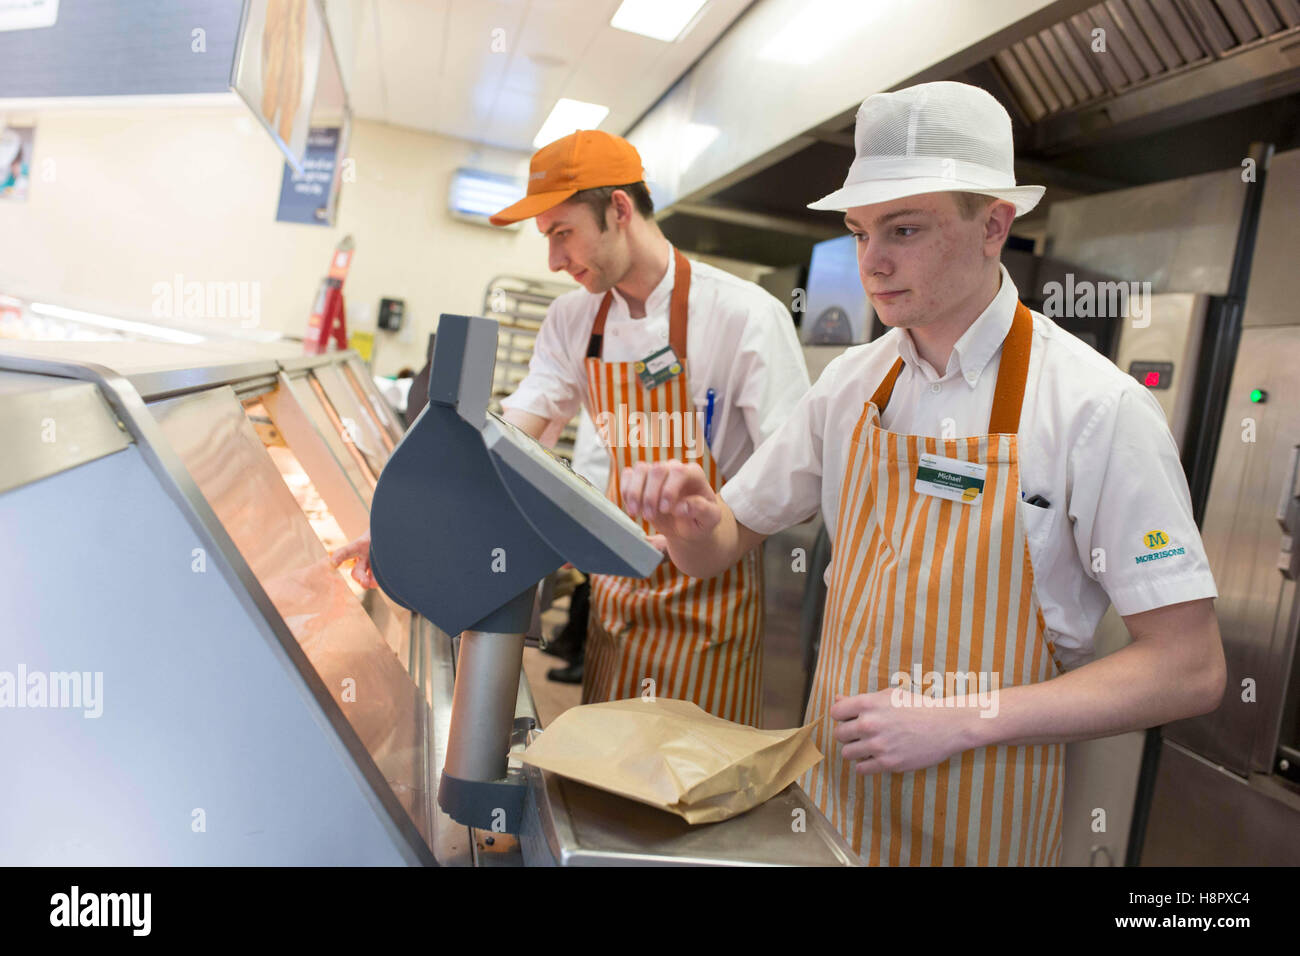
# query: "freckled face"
{"points": [[919, 260], [596, 259]]}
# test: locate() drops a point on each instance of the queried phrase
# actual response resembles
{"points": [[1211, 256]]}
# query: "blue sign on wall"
{"points": [[306, 197]]}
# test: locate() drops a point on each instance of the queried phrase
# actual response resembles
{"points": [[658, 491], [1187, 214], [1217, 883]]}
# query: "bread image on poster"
{"points": [[278, 67], [282, 49]]}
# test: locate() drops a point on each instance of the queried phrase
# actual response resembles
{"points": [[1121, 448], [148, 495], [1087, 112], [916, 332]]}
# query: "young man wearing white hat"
{"points": [[990, 484]]}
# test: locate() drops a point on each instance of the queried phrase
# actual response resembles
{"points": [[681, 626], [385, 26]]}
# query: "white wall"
{"points": [[140, 195], [787, 66]]}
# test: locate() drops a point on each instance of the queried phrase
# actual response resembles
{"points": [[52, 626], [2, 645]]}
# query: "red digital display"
{"points": [[1152, 374]]}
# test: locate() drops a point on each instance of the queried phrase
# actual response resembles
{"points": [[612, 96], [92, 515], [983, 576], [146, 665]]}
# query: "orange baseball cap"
{"points": [[586, 159]]}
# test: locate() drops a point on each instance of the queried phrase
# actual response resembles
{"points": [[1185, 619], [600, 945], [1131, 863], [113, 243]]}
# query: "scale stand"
{"points": [[469, 514]]}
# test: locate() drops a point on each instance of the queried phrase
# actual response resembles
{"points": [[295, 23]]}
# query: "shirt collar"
{"points": [[979, 343], [660, 295]]}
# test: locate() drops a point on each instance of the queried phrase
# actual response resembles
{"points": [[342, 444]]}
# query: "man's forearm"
{"points": [[535, 425], [710, 556], [1164, 676]]}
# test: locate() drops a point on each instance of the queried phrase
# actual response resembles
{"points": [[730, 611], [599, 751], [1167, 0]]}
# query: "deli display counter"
{"points": [[193, 683], [224, 695]]}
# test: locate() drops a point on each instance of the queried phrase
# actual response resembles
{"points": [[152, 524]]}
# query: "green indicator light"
{"points": [[1258, 395]]}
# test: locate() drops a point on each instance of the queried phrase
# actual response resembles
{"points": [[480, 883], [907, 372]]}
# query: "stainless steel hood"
{"points": [[1181, 88], [1153, 62]]}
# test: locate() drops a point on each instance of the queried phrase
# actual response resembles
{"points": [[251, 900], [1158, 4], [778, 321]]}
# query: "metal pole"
{"points": [[483, 704]]}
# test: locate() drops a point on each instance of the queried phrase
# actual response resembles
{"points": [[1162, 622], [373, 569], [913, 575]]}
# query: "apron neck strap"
{"points": [[676, 311], [1013, 372]]}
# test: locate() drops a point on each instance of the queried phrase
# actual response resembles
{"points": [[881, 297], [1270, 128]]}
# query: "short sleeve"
{"points": [[781, 484], [554, 385], [1132, 512]]}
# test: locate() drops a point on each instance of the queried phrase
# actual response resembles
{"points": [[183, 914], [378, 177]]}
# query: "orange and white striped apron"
{"points": [[921, 581], [698, 640]]}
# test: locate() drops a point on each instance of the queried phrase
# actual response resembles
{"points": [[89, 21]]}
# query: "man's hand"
{"points": [[696, 528], [894, 730], [674, 497], [360, 551]]}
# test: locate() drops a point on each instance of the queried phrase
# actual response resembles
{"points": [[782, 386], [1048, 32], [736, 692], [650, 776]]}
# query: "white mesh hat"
{"points": [[930, 138]]}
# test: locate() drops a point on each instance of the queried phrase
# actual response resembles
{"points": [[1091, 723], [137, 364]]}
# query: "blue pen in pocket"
{"points": [[708, 417]]}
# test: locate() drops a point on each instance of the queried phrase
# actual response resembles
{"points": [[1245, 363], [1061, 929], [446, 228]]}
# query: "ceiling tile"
{"points": [[412, 42], [431, 64]]}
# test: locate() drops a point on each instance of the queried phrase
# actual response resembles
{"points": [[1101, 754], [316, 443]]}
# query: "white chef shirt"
{"points": [[590, 459], [1092, 441], [740, 342]]}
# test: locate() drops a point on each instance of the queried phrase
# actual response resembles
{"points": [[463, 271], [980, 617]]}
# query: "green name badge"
{"points": [[950, 478], [658, 368]]}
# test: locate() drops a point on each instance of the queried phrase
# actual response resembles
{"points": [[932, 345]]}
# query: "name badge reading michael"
{"points": [[658, 368], [950, 478]]}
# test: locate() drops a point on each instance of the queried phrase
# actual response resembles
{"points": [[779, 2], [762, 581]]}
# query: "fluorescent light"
{"points": [[121, 325], [567, 117], [658, 19]]}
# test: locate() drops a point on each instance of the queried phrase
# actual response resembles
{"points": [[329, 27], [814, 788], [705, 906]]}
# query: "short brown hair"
{"points": [[599, 199], [970, 205]]}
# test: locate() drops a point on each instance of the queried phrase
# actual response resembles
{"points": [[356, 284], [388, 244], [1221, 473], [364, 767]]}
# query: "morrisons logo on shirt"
{"points": [[1156, 556], [1155, 541]]}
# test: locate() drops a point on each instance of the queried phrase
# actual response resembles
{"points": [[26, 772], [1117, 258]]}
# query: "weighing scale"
{"points": [[469, 514]]}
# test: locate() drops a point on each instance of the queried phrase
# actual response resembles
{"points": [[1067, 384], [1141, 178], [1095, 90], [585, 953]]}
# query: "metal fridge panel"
{"points": [[1242, 540], [1273, 296], [360, 425], [359, 375], [201, 528], [156, 369], [214, 438], [1172, 334], [50, 425], [307, 455], [197, 706], [353, 463], [1177, 235], [1202, 815], [313, 451]]}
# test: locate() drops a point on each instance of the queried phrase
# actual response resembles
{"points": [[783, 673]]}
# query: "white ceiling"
{"points": [[430, 64]]}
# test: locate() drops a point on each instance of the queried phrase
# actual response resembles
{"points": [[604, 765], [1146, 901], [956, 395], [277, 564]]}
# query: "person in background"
{"points": [[672, 359], [989, 483]]}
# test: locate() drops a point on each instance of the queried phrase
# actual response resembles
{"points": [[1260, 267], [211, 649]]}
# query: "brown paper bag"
{"points": [[673, 755]]}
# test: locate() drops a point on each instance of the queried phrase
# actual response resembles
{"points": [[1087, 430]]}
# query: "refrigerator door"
{"points": [[1254, 481]]}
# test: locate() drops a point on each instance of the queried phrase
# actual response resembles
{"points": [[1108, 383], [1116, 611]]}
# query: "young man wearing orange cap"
{"points": [[673, 360], [989, 483]]}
